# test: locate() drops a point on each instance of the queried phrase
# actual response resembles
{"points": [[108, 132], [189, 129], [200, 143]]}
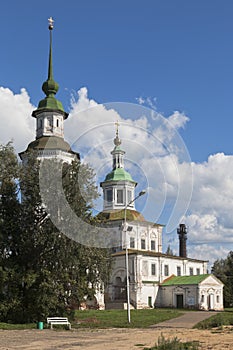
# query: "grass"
{"points": [[11, 326], [118, 318], [221, 319]]}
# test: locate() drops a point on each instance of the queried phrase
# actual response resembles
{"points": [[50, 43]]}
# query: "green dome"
{"points": [[119, 174]]}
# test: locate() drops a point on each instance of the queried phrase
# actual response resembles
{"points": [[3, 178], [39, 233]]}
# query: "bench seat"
{"points": [[58, 321]]}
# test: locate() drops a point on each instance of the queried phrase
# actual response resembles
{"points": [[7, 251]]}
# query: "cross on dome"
{"points": [[51, 21], [117, 141]]}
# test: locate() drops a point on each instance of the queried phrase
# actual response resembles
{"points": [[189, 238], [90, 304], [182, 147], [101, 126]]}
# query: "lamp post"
{"points": [[126, 253]]}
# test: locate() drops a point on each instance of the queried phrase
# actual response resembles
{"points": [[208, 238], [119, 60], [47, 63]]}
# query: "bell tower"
{"points": [[118, 186], [50, 116]]}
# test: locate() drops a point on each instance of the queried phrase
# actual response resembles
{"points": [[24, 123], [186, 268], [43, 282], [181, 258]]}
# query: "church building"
{"points": [[142, 273], [140, 268]]}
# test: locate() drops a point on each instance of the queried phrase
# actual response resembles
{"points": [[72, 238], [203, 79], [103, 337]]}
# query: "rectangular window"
{"points": [[198, 271], [217, 298], [132, 244], [178, 270], [132, 267], [202, 298], [191, 271], [150, 301], [153, 269], [143, 243], [109, 195], [166, 270], [152, 245], [119, 196], [129, 196]]}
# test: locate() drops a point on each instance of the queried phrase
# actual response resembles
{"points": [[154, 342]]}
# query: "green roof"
{"points": [[119, 174], [50, 87], [180, 280]]}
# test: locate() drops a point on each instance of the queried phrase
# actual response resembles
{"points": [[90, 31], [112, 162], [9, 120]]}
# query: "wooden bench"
{"points": [[58, 321]]}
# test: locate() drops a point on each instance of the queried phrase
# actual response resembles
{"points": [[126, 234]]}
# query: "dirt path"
{"points": [[109, 339]]}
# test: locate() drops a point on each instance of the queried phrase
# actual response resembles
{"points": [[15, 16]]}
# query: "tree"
{"points": [[51, 272], [169, 250], [9, 226], [223, 269]]}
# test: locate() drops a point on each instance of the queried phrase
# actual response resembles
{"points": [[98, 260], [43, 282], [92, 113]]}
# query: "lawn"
{"points": [[118, 318], [109, 319], [224, 318]]}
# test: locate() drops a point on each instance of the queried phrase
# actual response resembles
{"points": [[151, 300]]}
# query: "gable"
{"points": [[211, 280]]}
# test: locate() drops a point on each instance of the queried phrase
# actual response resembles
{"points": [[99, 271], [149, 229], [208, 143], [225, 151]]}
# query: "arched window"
{"points": [[57, 123]]}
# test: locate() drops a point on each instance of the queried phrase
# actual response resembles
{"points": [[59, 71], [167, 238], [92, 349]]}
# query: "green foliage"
{"points": [[223, 269], [174, 344], [218, 320], [169, 251], [42, 271]]}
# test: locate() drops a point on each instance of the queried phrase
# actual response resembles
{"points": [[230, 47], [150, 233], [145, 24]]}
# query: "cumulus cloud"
{"points": [[155, 156], [17, 125]]}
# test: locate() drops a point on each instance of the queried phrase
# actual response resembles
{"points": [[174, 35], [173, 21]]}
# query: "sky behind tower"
{"points": [[174, 57]]}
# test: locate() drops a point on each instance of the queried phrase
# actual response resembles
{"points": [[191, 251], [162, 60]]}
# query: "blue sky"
{"points": [[177, 53]]}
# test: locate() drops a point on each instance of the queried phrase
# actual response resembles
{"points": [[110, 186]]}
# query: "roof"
{"points": [[50, 143], [50, 87], [157, 254], [131, 215], [119, 174], [181, 280]]}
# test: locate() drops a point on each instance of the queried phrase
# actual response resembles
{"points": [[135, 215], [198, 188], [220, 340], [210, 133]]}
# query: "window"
{"points": [[57, 123], [166, 270], [198, 271], [132, 262], [143, 243], [178, 271], [202, 298], [152, 245], [129, 196], [217, 298], [109, 195], [153, 269], [150, 301], [191, 271], [40, 123], [132, 243], [119, 196]]}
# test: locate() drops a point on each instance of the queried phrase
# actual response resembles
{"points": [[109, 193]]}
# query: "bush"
{"points": [[174, 344]]}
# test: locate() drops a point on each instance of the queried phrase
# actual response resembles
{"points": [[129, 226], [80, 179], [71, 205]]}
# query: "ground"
{"points": [[110, 339]]}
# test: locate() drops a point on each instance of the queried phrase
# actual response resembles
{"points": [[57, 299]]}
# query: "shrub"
{"points": [[174, 344]]}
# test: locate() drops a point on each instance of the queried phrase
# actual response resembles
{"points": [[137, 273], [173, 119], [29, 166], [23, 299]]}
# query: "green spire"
{"points": [[50, 87]]}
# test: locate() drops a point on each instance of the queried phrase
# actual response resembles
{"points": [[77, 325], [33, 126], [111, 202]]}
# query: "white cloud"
{"points": [[17, 125], [155, 156]]}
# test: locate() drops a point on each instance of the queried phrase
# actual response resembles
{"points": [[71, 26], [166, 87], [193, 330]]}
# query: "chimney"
{"points": [[182, 233]]}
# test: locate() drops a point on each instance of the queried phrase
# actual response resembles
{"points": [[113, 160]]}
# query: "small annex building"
{"points": [[203, 292]]}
